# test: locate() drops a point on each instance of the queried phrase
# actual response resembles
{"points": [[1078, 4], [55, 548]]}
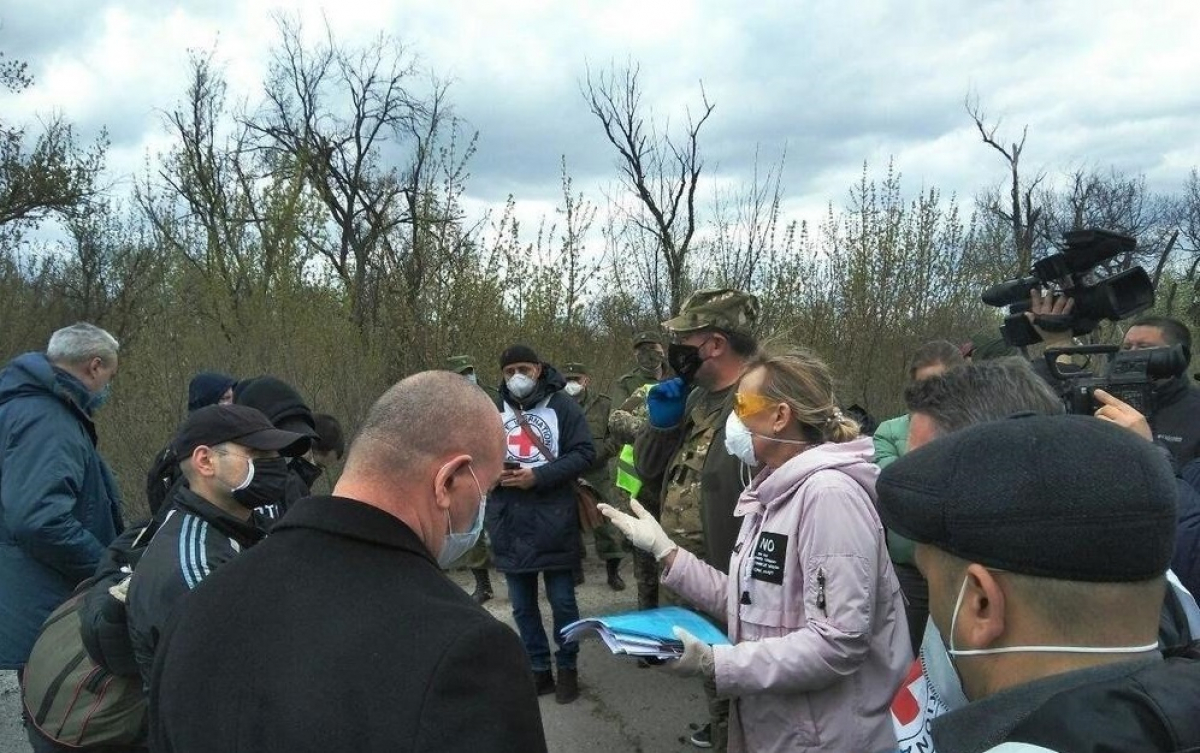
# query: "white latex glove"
{"points": [[697, 659], [644, 532]]}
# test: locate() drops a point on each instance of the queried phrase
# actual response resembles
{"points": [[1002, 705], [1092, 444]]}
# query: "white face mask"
{"points": [[573, 389], [520, 385], [471, 378], [739, 441], [1033, 649], [455, 545]]}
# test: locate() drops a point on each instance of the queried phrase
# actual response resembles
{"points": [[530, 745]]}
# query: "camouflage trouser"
{"points": [[645, 567], [476, 557], [609, 542]]}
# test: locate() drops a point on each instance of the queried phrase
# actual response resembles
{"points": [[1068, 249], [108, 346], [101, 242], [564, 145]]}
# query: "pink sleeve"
{"points": [[837, 541], [700, 583]]}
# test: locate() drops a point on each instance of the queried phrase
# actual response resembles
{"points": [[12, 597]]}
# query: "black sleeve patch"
{"points": [[770, 554]]}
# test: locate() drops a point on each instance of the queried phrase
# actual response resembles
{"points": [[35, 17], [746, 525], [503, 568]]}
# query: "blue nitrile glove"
{"points": [[664, 403]]}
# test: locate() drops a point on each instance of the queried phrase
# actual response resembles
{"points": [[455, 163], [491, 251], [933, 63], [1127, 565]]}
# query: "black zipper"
{"points": [[821, 591]]}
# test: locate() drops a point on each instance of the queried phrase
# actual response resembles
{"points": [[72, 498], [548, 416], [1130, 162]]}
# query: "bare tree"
{"points": [[333, 111], [54, 173], [661, 171], [748, 229], [1020, 212]]}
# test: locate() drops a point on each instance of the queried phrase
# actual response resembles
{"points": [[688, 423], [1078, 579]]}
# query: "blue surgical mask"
{"points": [[456, 545], [99, 398]]}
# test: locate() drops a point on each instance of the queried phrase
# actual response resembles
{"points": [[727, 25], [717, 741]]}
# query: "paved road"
{"points": [[622, 709]]}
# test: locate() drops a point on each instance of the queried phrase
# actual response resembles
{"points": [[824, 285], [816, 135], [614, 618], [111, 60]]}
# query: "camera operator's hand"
{"points": [[1050, 305], [1122, 414]]}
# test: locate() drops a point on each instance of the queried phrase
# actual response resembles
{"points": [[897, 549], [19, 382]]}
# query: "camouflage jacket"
{"points": [[699, 479], [628, 384], [630, 418]]}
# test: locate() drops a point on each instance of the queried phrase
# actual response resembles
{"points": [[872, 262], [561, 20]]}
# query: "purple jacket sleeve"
{"points": [[836, 539], [700, 583]]}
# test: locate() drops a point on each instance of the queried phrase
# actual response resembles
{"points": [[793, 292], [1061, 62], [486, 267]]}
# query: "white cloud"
{"points": [[1098, 83]]}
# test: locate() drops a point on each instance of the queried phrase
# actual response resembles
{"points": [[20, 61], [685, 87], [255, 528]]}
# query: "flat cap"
{"points": [[722, 308], [1066, 497], [574, 369]]}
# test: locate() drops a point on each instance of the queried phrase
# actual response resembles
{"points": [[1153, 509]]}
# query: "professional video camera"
{"points": [[1071, 273], [1130, 375]]}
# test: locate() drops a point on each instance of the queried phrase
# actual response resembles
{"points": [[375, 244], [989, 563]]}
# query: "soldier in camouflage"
{"points": [[651, 367], [625, 423], [683, 451], [596, 407], [477, 559]]}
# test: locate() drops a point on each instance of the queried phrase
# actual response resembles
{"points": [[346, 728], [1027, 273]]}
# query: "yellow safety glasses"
{"points": [[746, 404]]}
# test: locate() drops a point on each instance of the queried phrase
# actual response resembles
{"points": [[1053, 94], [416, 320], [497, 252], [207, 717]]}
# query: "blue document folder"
{"points": [[647, 633]]}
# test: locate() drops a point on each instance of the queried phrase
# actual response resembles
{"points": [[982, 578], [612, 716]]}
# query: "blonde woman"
{"points": [[815, 615]]}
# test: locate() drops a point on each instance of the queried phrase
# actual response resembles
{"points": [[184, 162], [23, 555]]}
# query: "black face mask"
{"points": [[307, 471], [685, 361], [267, 486]]}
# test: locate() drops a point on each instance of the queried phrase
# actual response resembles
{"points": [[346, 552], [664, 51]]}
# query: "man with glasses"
{"points": [[231, 460], [682, 452]]}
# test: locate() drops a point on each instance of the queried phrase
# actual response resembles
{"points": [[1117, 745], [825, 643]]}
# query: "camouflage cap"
{"points": [[574, 369], [723, 308], [647, 338], [459, 364]]}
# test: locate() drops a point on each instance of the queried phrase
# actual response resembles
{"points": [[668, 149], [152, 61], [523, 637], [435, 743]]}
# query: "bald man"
{"points": [[370, 647]]}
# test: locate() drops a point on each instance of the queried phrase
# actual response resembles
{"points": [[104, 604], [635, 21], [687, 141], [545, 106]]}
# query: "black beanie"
{"points": [[206, 388], [278, 401], [518, 354]]}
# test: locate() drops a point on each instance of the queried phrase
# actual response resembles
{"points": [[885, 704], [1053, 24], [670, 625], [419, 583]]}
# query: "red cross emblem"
{"points": [[523, 444]]}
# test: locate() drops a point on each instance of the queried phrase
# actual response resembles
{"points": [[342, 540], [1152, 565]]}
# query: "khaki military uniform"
{"points": [[700, 481], [609, 541], [624, 425], [628, 384]]}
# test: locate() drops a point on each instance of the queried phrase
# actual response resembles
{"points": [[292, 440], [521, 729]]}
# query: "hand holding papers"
{"points": [[650, 633]]}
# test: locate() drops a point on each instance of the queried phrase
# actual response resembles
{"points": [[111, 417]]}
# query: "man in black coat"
{"points": [[533, 517], [371, 647], [1048, 595]]}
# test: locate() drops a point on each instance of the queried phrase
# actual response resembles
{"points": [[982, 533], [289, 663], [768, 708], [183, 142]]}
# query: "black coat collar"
{"points": [[342, 516]]}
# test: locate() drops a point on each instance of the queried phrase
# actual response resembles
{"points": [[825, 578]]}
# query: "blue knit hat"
{"points": [[206, 389]]}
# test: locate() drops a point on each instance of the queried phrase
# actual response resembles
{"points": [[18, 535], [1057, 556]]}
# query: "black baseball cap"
{"points": [[235, 423], [1066, 497]]}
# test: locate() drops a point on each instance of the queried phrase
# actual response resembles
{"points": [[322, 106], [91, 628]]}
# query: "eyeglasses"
{"points": [[747, 404]]}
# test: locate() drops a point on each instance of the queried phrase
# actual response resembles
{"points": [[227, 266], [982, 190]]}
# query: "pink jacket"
{"points": [[815, 614]]}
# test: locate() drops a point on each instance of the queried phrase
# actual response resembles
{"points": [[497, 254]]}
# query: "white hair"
{"points": [[82, 342]]}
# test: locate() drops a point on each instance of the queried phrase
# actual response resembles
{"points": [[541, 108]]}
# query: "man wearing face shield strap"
{"points": [[231, 460], [1047, 592], [370, 648], [682, 452]]}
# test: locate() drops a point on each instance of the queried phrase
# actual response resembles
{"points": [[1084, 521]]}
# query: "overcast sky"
{"points": [[1099, 83]]}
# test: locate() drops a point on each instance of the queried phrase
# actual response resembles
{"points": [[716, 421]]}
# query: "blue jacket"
{"points": [[538, 529], [59, 504]]}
